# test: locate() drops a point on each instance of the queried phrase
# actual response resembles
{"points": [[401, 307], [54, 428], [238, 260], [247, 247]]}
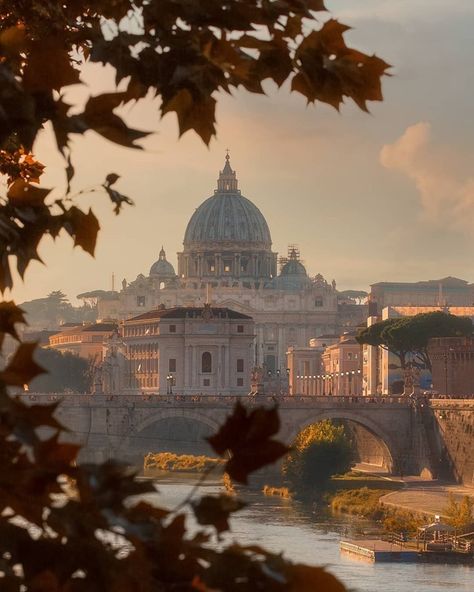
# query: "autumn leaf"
{"points": [[198, 114], [13, 40], [99, 116], [22, 368], [117, 198], [22, 193], [49, 66], [215, 511], [247, 436], [83, 228], [53, 452], [305, 578], [10, 315]]}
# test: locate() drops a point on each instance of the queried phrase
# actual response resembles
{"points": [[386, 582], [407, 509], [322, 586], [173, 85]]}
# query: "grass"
{"points": [[365, 502], [359, 502], [283, 492], [168, 461]]}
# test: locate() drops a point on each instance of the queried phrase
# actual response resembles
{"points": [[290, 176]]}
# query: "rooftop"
{"points": [[182, 312]]}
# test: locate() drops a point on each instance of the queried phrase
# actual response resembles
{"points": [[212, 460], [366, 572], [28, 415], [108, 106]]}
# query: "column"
{"points": [[236, 265], [227, 367], [194, 368]]}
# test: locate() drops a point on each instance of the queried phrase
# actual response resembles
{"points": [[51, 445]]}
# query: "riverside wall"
{"points": [[453, 422]]}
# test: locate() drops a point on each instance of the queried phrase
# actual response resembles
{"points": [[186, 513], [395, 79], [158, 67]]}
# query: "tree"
{"points": [[320, 451], [408, 337], [65, 372], [459, 514], [184, 52]]}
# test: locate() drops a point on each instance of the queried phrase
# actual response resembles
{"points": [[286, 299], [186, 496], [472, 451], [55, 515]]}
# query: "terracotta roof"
{"points": [[98, 327], [182, 312], [101, 327]]}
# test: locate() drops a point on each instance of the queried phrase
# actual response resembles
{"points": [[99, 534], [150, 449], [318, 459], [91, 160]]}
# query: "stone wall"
{"points": [[454, 424], [452, 361]]}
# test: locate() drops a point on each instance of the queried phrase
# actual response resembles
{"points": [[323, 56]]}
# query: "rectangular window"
{"points": [[206, 382], [172, 328], [349, 355], [240, 382], [172, 365], [318, 302], [240, 365], [240, 328], [141, 301]]}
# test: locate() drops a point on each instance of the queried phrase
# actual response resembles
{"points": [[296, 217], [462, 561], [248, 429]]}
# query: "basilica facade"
{"points": [[227, 261]]}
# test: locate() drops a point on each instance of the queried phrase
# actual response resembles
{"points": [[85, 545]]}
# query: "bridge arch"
{"points": [[182, 431], [383, 439]]}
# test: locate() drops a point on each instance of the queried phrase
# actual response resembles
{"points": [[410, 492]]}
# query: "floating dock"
{"points": [[376, 550]]}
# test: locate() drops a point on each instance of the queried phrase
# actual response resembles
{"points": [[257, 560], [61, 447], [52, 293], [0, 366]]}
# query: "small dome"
{"points": [[293, 274], [162, 267]]}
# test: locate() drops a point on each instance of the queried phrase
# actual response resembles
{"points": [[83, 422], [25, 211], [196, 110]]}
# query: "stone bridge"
{"points": [[387, 431]]}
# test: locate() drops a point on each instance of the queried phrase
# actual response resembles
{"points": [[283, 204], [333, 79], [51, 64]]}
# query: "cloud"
{"points": [[446, 190]]}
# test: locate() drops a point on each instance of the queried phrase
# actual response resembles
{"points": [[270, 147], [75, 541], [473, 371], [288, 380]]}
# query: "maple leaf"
{"points": [[10, 315], [247, 436], [117, 198], [98, 115], [198, 114], [22, 368], [216, 510], [49, 66], [22, 193], [83, 228]]}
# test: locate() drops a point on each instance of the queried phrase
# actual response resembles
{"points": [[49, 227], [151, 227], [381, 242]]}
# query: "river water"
{"points": [[303, 536]]}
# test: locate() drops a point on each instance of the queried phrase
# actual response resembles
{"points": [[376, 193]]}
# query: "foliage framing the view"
{"points": [[184, 52]]}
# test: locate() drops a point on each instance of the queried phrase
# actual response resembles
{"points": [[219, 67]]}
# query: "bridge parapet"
{"points": [[215, 401]]}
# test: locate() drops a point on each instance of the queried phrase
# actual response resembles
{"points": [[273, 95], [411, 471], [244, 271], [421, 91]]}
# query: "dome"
{"points": [[228, 217], [293, 267], [293, 274], [162, 267]]}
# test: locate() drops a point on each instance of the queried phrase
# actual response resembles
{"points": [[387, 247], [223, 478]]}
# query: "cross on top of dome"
{"points": [[227, 181]]}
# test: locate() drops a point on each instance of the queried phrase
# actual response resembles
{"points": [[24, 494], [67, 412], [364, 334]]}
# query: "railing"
{"points": [[143, 399], [397, 538]]}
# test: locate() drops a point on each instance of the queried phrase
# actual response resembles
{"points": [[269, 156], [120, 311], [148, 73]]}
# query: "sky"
{"points": [[382, 197]]}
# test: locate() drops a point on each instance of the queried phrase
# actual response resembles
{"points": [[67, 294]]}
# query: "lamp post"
{"points": [[169, 381]]}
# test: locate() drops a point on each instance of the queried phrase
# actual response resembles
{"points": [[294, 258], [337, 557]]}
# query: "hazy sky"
{"points": [[386, 196]]}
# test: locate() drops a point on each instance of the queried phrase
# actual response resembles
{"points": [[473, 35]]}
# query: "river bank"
{"points": [[425, 497]]}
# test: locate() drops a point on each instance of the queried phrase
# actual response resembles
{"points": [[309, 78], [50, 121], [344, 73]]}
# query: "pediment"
{"points": [[236, 305]]}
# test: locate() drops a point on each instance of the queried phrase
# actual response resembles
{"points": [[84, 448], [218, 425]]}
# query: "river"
{"points": [[287, 526]]}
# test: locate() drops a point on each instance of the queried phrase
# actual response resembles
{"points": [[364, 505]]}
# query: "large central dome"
{"points": [[227, 238], [227, 217]]}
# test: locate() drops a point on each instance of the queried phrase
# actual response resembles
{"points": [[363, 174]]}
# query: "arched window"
{"points": [[206, 362]]}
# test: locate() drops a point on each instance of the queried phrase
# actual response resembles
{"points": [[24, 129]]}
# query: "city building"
{"points": [[452, 361], [305, 365], [331, 365], [184, 350], [227, 260], [449, 291], [84, 340], [341, 368]]}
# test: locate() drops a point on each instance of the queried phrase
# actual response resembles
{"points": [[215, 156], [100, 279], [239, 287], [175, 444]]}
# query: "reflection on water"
{"points": [[304, 536]]}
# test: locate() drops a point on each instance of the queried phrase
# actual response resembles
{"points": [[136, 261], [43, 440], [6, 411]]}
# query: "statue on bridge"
{"points": [[112, 369]]}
